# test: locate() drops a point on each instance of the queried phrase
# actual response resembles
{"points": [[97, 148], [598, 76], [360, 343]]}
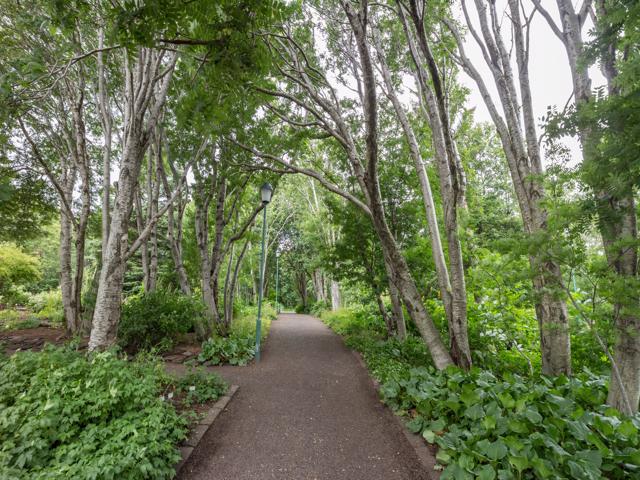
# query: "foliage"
{"points": [[490, 426], [238, 347], [17, 269], [200, 386], [317, 308], [487, 427], [156, 319], [48, 305], [63, 415], [26, 204], [14, 320], [234, 350]]}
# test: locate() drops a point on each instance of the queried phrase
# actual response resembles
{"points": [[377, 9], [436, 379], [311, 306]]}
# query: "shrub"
{"points": [[65, 416], [238, 348], [244, 325], [13, 320], [156, 320], [318, 307], [16, 270], [48, 305], [200, 386]]}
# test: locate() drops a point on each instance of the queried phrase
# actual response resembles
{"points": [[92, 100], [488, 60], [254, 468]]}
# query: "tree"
{"points": [[605, 124], [517, 131]]}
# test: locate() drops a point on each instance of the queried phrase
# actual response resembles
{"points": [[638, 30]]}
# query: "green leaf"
{"points": [[429, 436], [486, 472], [520, 463], [496, 450]]}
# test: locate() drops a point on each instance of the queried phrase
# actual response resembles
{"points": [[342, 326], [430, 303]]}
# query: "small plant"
{"points": [[48, 306], [200, 386], [63, 415], [156, 320], [13, 320], [234, 350]]}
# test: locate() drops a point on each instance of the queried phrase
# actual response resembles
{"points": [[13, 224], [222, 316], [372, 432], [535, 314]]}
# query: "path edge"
{"points": [[204, 424], [425, 455]]}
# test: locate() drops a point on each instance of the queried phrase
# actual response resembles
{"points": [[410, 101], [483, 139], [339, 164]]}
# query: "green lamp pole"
{"points": [[265, 193], [277, 281]]}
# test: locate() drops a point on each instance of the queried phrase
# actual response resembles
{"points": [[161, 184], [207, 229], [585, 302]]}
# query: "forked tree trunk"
{"points": [[455, 312], [518, 135], [174, 231], [617, 214], [145, 94], [400, 273]]}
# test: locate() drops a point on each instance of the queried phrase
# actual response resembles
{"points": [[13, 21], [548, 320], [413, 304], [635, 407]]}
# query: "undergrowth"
{"points": [[65, 415], [238, 346], [502, 426]]}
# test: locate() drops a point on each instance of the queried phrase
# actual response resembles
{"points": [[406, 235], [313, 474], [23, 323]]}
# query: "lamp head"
{"points": [[266, 190]]}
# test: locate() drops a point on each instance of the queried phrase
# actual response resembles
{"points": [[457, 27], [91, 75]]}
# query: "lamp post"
{"points": [[277, 280], [265, 194]]}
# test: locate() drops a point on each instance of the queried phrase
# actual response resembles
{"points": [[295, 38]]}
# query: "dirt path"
{"points": [[307, 411]]}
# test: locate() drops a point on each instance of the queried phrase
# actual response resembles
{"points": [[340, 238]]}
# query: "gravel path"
{"points": [[307, 411]]}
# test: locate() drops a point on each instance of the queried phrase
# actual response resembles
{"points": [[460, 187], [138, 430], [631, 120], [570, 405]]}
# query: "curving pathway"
{"points": [[307, 411]]}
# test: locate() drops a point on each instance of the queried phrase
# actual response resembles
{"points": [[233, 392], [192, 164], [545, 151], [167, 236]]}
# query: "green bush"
{"points": [[234, 350], [156, 320], [244, 325], [13, 320], [487, 428], [238, 347], [317, 308], [65, 416], [48, 305], [17, 269], [200, 386]]}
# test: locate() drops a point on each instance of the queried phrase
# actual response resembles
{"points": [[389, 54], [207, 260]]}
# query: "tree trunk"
{"points": [[336, 300], [388, 321], [140, 120], [174, 224], [617, 215], [398, 313], [520, 145], [454, 311], [106, 120], [228, 311], [400, 273], [66, 272]]}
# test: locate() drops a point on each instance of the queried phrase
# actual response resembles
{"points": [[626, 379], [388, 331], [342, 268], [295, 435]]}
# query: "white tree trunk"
{"points": [[145, 94]]}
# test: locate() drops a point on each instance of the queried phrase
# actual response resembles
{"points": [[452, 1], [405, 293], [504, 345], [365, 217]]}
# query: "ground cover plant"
{"points": [[200, 386], [237, 347], [63, 415], [14, 320], [498, 427]]}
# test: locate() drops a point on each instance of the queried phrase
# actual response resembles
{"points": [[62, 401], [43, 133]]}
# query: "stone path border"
{"points": [[189, 445], [425, 453]]}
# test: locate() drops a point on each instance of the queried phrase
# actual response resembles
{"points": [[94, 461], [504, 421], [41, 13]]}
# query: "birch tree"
{"points": [[147, 74], [514, 120], [612, 183]]}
